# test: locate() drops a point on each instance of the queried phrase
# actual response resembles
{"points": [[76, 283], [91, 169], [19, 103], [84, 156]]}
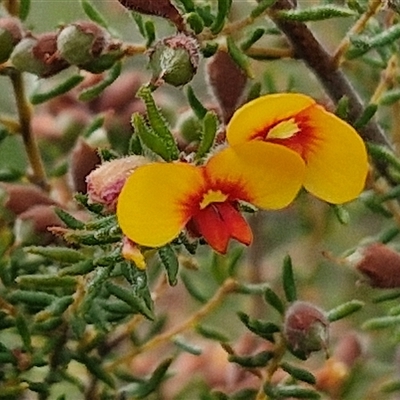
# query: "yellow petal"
{"points": [[155, 202], [251, 120], [337, 164], [264, 174]]}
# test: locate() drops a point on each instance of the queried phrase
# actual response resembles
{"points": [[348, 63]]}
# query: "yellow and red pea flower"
{"points": [[160, 199], [334, 155]]}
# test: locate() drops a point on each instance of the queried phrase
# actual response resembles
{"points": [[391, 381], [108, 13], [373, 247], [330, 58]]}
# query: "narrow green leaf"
{"points": [[80, 268], [30, 297], [149, 139], [316, 13], [60, 254], [158, 122], [388, 235], [48, 325], [193, 289], [344, 310], [342, 107], [23, 330], [241, 60], [297, 392], [383, 154], [223, 9], [366, 116], [390, 97], [363, 45], [187, 347], [94, 91], [211, 333], [264, 329], [62, 88], [58, 307], [391, 295], [130, 298], [138, 18], [195, 104], [298, 373], [69, 220], [46, 281], [262, 6], [188, 5], [93, 13], [150, 31], [209, 131], [381, 323], [255, 361], [390, 387], [95, 367], [24, 8], [135, 147], [195, 22], [254, 91], [170, 261], [289, 284], [274, 300], [341, 213], [254, 36]]}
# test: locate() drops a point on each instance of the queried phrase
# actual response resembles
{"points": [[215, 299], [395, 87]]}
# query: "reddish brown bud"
{"points": [[104, 184], [227, 82], [38, 55], [161, 8], [10, 34], [84, 159], [19, 198], [306, 328], [31, 226], [88, 46], [379, 264]]}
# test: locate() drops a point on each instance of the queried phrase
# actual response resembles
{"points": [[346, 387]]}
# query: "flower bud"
{"points": [[38, 55], [306, 328], [174, 60], [18, 197], [10, 34], [31, 226], [104, 184], [227, 82], [88, 46], [131, 252], [162, 8], [84, 159], [379, 264]]}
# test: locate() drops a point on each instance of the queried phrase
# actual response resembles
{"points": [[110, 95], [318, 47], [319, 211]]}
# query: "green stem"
{"points": [[38, 176]]}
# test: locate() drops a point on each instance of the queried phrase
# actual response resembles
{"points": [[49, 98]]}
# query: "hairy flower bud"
{"points": [[104, 184], [306, 328], [227, 82], [174, 60], [88, 46], [379, 264], [10, 34], [38, 55], [162, 8]]}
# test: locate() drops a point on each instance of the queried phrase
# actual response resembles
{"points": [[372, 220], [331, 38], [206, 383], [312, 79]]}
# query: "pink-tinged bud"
{"points": [[88, 46], [104, 184], [10, 34], [18, 198], [174, 60], [162, 8], [131, 252], [31, 226], [84, 159], [379, 264], [227, 82], [38, 55], [306, 328]]}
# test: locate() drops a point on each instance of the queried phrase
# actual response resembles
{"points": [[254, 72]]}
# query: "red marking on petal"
{"points": [[219, 222], [236, 225], [210, 225]]}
